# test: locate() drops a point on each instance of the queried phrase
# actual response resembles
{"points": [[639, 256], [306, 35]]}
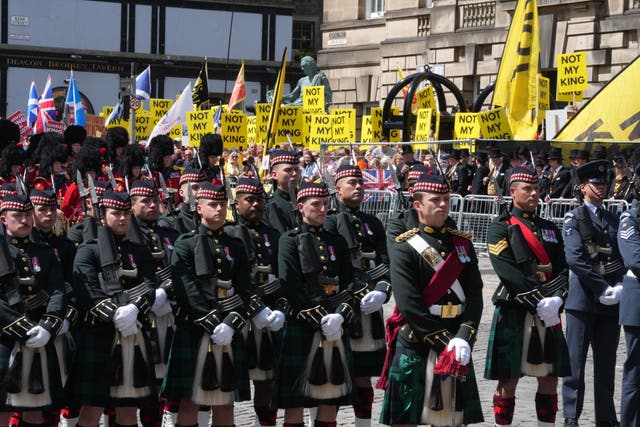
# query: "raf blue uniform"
{"points": [[592, 254], [629, 244]]}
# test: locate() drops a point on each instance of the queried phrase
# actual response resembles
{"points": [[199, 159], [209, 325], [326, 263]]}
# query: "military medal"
{"points": [[227, 254], [549, 236], [462, 254], [267, 243], [168, 244], [57, 252], [132, 261], [332, 253], [36, 264], [368, 229]]}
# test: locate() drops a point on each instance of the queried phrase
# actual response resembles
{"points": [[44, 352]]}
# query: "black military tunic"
{"points": [[184, 222], [32, 294], [280, 212]]}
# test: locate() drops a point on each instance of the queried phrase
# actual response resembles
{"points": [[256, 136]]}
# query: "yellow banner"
{"points": [[366, 129], [572, 72], [313, 99], [234, 130], [159, 107], [516, 82], [466, 126], [290, 122], [199, 123], [612, 114], [494, 124], [543, 96], [425, 98], [251, 129]]}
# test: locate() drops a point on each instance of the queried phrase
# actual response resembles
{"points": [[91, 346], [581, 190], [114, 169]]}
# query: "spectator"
{"points": [[189, 161], [310, 170], [233, 166]]}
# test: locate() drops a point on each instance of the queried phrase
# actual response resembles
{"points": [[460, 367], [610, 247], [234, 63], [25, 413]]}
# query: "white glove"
{"points": [[161, 298], [462, 348], [611, 295], [125, 317], [548, 307], [39, 337], [550, 321], [331, 325], [64, 328], [276, 320], [162, 310], [261, 320], [222, 334], [372, 302], [130, 330]]}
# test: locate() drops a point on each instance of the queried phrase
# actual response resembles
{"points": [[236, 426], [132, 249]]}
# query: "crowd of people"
{"points": [[127, 288]]}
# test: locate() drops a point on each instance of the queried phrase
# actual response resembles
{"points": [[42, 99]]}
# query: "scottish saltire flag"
{"points": [[74, 101], [143, 84], [377, 179], [46, 108], [217, 118], [32, 105], [116, 113]]}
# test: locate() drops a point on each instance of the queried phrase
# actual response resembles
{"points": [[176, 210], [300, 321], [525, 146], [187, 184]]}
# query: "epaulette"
{"points": [[407, 234], [459, 233], [569, 216]]}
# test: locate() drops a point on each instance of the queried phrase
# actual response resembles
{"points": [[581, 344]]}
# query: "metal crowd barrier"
{"points": [[474, 213]]}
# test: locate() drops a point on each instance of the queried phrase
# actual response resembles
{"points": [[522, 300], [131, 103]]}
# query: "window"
{"points": [[375, 9], [303, 39]]}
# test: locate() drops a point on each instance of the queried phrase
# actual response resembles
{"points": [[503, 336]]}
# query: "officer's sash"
{"points": [[446, 271], [534, 243]]}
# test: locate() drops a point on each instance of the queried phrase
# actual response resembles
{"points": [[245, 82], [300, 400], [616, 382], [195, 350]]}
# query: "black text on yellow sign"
{"points": [[290, 123], [495, 124], [572, 72], [234, 130], [199, 123], [466, 126]]}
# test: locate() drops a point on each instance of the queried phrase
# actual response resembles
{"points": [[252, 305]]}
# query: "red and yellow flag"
{"points": [[239, 92]]}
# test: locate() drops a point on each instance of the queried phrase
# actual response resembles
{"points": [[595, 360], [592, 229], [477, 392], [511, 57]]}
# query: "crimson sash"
{"points": [[534, 243], [440, 282]]}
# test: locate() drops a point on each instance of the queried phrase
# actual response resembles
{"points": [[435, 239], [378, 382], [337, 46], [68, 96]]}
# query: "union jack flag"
{"points": [[377, 179], [46, 108]]}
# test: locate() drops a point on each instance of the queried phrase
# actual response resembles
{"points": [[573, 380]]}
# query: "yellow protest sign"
{"points": [[176, 132], [395, 135], [144, 124], [313, 99], [290, 123], [318, 130], [494, 124], [198, 123], [251, 129], [262, 120], [612, 114], [569, 96], [466, 126], [234, 130], [572, 72], [366, 131], [425, 98], [118, 122], [423, 127], [106, 111], [349, 115], [376, 124], [159, 107], [543, 96]]}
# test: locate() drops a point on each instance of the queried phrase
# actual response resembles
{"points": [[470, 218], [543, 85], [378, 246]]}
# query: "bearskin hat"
{"points": [[11, 155], [116, 137], [101, 145], [159, 147], [51, 149], [74, 134], [133, 156], [88, 159], [210, 145], [9, 133]]}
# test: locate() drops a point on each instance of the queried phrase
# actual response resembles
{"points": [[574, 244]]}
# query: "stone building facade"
{"points": [[364, 42]]}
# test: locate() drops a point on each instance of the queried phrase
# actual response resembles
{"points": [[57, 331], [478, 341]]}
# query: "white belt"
{"points": [[447, 311]]}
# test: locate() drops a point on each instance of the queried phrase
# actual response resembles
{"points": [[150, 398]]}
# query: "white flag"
{"points": [[177, 114]]}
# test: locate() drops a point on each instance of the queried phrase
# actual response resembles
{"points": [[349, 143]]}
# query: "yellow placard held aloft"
{"points": [[544, 102], [262, 120], [198, 123], [423, 124], [313, 99], [366, 130], [466, 126], [144, 124], [494, 124], [376, 124], [319, 130], [106, 111], [176, 132], [234, 130], [395, 135], [251, 129], [425, 98], [159, 107], [118, 122], [572, 72], [569, 97], [290, 123], [349, 115]]}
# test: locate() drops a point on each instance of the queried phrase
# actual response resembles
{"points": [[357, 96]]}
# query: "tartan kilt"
{"points": [[55, 382], [504, 353], [295, 349], [404, 396], [179, 378], [89, 380]]}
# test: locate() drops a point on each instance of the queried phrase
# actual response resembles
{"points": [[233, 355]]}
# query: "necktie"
{"points": [[599, 212]]}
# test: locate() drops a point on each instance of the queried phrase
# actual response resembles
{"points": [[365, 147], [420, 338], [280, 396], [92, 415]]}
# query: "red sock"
{"points": [[546, 407], [267, 416], [14, 420], [69, 412], [503, 409], [363, 402]]}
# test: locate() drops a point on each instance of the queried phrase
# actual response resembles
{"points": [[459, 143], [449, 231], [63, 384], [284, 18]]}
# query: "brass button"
{"points": [[26, 269], [325, 268], [319, 238], [322, 258], [154, 238], [440, 241], [218, 250], [219, 260], [443, 254], [155, 248], [219, 271], [29, 288], [158, 268], [357, 225], [359, 234], [21, 250], [216, 241], [449, 292], [259, 255], [321, 247], [259, 245]]}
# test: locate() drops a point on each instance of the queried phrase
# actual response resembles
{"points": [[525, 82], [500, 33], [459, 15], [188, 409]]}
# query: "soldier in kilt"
{"points": [[263, 339], [438, 292], [526, 337], [285, 172], [145, 206], [317, 280], [86, 229], [32, 307], [366, 239], [44, 217], [186, 219], [208, 360], [115, 282]]}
